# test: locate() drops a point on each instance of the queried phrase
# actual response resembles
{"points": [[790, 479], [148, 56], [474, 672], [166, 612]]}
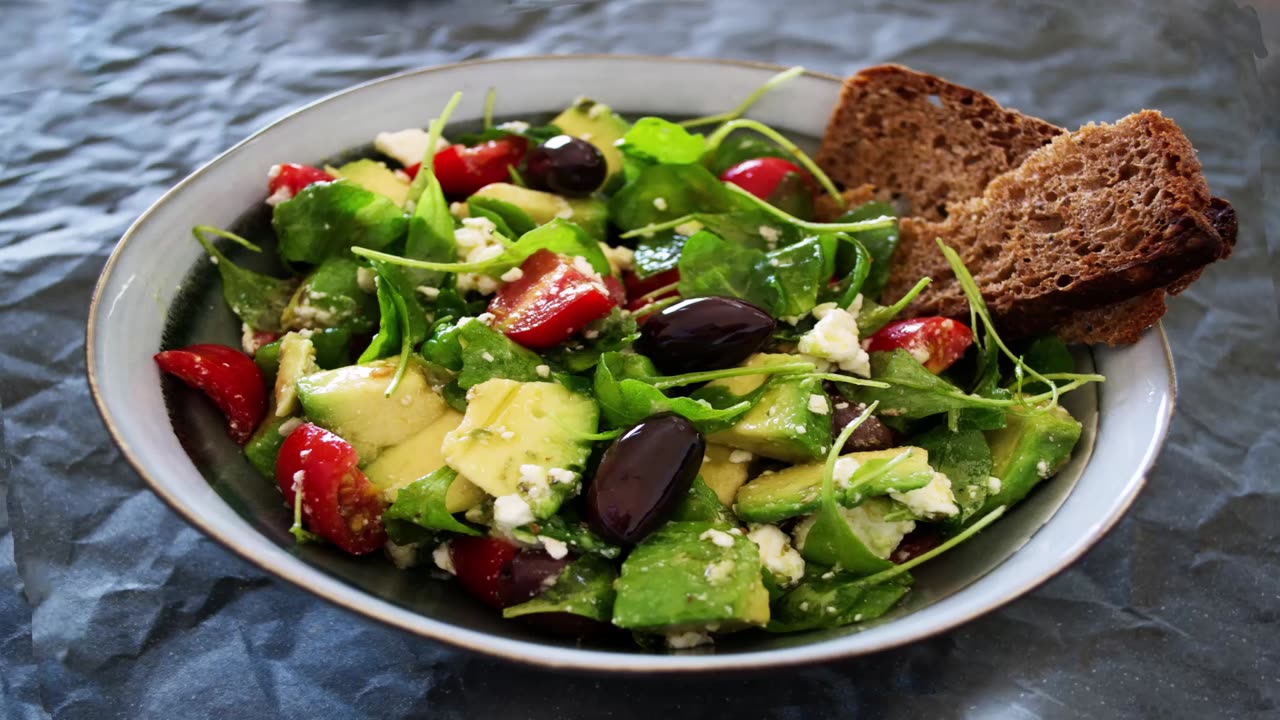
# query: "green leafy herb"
{"points": [[566, 527], [965, 459], [740, 147], [658, 254], [258, 300], [747, 102], [331, 296], [517, 221], [584, 588], [1049, 356], [435, 129], [874, 316], [324, 219], [828, 602], [402, 324], [652, 141], [784, 282], [487, 354], [880, 245], [614, 332], [660, 193], [702, 505], [778, 138], [421, 504], [913, 391], [626, 401]]}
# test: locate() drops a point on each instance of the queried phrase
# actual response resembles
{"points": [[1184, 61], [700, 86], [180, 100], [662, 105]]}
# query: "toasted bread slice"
{"points": [[926, 140], [1099, 216]]}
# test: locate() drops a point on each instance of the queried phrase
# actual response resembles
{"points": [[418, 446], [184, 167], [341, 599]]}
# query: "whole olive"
{"points": [[527, 575], [870, 435], [566, 166], [642, 477], [706, 333]]}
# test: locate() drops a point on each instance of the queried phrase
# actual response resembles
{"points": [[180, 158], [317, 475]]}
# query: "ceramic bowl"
{"points": [[159, 290]]}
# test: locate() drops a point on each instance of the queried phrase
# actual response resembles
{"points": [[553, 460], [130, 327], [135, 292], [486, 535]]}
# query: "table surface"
{"points": [[111, 606]]}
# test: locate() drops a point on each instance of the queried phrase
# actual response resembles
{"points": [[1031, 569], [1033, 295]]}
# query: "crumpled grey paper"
{"points": [[112, 607]]}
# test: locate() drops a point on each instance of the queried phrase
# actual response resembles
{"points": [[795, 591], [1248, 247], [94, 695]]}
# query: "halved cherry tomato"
{"points": [[412, 170], [936, 342], [338, 502], [229, 377], [638, 287], [286, 180], [479, 563], [616, 291], [552, 300], [760, 176], [463, 170]]}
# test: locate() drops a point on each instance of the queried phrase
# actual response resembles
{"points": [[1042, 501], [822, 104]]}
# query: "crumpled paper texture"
{"points": [[110, 606]]}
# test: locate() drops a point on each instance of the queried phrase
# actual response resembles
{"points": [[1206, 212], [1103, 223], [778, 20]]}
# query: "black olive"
{"points": [[567, 166], [870, 435], [642, 477], [704, 334], [527, 575]]}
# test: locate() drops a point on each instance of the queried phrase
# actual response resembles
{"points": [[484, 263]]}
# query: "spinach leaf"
{"points": [[324, 219], [652, 141], [559, 236], [965, 458], [402, 320], [566, 527], [738, 147], [487, 354], [331, 296], [752, 228], [625, 401], [658, 254], [430, 234], [1046, 354], [798, 273], [785, 282], [584, 588], [443, 347], [880, 245], [258, 300], [421, 505], [666, 192], [614, 332], [913, 391], [387, 341], [516, 220], [835, 601]]}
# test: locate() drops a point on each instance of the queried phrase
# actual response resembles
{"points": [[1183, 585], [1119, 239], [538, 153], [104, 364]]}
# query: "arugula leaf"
{"points": [[652, 141], [421, 504], [324, 219], [965, 459], [258, 300], [487, 354], [625, 401], [739, 147], [388, 339], [829, 602], [880, 245], [584, 588], [874, 316], [430, 234], [913, 391], [665, 192], [402, 320], [1047, 355], [516, 220]]}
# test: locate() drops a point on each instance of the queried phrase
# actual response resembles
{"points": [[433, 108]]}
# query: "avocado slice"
{"points": [[597, 124], [375, 177], [780, 425], [543, 207], [691, 576], [263, 448], [418, 457], [331, 297], [1028, 449], [297, 357], [515, 436], [858, 539], [797, 490], [722, 474], [352, 401]]}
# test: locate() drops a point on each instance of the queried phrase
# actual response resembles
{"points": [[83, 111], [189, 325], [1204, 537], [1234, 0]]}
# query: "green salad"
{"points": [[612, 375]]}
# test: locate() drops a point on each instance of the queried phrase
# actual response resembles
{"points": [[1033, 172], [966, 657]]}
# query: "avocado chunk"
{"points": [[418, 457], [691, 576], [297, 357], [597, 124], [263, 448], [722, 474], [375, 177], [858, 539], [543, 207], [524, 439], [797, 490], [331, 297], [781, 424], [1028, 449], [352, 401]]}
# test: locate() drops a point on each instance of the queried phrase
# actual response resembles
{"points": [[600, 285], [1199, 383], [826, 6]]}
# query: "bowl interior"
{"points": [[159, 290]]}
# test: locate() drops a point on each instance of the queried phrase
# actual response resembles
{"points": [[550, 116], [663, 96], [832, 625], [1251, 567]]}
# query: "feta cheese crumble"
{"points": [[443, 559], [993, 485], [555, 548], [560, 475], [818, 404], [776, 552], [364, 279], [511, 511], [1043, 469], [544, 371], [407, 147], [686, 640], [719, 538], [931, 502], [402, 556], [660, 203], [477, 243], [771, 235], [738, 457], [429, 293], [512, 275], [835, 338], [688, 228], [620, 258]]}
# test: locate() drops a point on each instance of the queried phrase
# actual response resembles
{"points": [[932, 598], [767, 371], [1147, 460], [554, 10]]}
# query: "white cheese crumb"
{"points": [[506, 434], [511, 511], [804, 606], [933, 501], [248, 339], [555, 548], [719, 538], [477, 242], [842, 406], [818, 404], [560, 475], [299, 477], [688, 228], [533, 482], [718, 572], [596, 111], [583, 266], [919, 353], [429, 293], [443, 558], [993, 485], [402, 556], [835, 338], [364, 279], [459, 210], [515, 126], [512, 275], [485, 318], [686, 640], [740, 456], [801, 430], [407, 147], [620, 258], [282, 194], [1043, 469], [487, 356], [660, 203], [776, 552], [844, 470], [544, 371], [770, 234]]}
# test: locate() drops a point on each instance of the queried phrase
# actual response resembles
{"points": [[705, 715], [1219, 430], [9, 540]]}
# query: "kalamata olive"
{"points": [[566, 166], [706, 333], [528, 574], [917, 542], [870, 435], [642, 477]]}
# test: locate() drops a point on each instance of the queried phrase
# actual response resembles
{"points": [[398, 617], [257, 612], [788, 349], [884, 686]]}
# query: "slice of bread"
{"points": [[1099, 216], [926, 143]]}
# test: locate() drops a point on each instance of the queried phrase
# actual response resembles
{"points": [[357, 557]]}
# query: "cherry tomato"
{"points": [[338, 502], [463, 170], [936, 342], [229, 377], [617, 292], [760, 176], [552, 300], [638, 287], [285, 181], [479, 563], [412, 170]]}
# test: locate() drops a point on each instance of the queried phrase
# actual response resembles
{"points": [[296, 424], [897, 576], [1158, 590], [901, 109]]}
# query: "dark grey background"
{"points": [[112, 607]]}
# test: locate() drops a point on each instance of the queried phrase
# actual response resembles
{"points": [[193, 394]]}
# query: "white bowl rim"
{"points": [[598, 661]]}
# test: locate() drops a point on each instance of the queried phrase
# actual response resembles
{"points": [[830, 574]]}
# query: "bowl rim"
{"points": [[533, 653]]}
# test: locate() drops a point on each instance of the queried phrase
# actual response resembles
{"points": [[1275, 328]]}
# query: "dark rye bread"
{"points": [[1100, 216], [925, 140]]}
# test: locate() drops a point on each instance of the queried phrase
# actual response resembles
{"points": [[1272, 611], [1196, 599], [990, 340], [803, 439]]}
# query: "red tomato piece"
{"points": [[638, 287], [463, 170], [412, 170], [552, 300], [479, 562], [936, 342], [759, 176], [285, 181], [617, 292], [229, 377], [338, 502]]}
